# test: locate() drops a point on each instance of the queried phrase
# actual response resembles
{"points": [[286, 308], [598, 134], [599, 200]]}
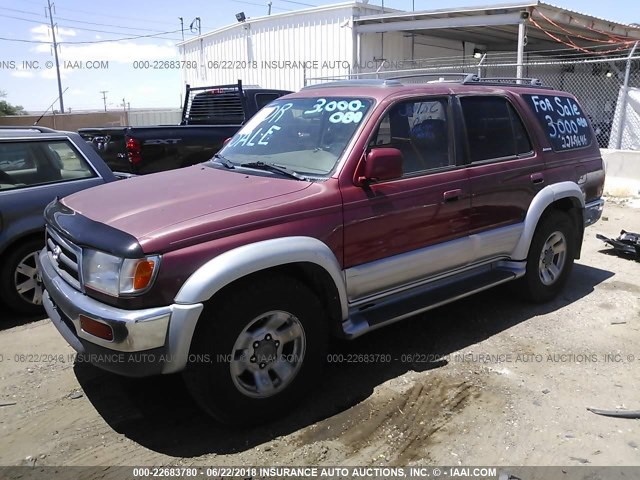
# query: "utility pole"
{"points": [[104, 98], [182, 27], [55, 54], [269, 5]]}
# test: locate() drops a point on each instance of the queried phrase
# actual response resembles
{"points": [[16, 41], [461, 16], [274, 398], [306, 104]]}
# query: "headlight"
{"points": [[118, 276]]}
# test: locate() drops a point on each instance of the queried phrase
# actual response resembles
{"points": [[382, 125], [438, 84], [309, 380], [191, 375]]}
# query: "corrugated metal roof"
{"points": [[478, 9]]}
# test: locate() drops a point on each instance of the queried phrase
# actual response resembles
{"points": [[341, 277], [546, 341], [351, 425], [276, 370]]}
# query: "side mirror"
{"points": [[382, 164]]}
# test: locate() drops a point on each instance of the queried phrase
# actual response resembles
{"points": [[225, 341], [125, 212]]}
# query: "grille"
{"points": [[66, 258]]}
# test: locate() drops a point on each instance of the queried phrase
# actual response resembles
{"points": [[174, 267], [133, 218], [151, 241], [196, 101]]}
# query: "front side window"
{"points": [[305, 135], [494, 129], [419, 129], [25, 164]]}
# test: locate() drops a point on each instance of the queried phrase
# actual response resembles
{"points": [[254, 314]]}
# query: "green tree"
{"points": [[7, 109]]}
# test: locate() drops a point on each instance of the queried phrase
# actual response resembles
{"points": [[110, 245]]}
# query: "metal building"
{"points": [[287, 50], [594, 58]]}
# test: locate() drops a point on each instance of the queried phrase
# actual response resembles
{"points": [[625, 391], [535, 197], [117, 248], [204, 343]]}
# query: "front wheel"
{"points": [[20, 285], [550, 258], [258, 351]]}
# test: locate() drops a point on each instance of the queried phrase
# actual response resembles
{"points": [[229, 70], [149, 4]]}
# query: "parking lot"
{"points": [[488, 380]]}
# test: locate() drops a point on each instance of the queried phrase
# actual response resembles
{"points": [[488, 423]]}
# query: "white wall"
{"points": [[398, 48], [323, 39], [155, 117]]}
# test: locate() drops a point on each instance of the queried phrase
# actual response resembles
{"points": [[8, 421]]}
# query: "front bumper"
{"points": [[145, 342], [593, 212]]}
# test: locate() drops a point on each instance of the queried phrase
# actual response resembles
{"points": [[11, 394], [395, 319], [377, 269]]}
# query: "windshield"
{"points": [[305, 135]]}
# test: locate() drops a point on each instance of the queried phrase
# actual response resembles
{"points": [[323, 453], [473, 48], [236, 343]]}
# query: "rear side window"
{"points": [[562, 120], [494, 129], [24, 164]]}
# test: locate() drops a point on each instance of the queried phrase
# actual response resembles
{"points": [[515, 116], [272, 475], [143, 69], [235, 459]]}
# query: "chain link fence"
{"points": [[607, 88]]}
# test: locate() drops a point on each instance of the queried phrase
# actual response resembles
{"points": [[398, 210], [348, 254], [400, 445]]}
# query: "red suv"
{"points": [[334, 211]]}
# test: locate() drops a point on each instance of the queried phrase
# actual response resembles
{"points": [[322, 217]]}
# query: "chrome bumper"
{"points": [[165, 331], [593, 212]]}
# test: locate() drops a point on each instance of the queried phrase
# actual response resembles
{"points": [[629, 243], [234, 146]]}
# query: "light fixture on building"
{"points": [[241, 17], [477, 53]]}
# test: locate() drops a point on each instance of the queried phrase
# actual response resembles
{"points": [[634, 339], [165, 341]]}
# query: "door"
{"points": [[32, 174], [504, 171], [395, 230]]}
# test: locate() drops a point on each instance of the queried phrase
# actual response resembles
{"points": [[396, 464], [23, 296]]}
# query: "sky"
{"points": [[114, 37]]}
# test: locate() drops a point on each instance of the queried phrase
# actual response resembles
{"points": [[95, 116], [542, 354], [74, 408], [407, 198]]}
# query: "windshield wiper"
{"points": [[223, 161], [270, 167]]}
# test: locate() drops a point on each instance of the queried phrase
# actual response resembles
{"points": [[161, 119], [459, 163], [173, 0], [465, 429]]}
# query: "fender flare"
{"points": [[544, 198], [255, 257]]}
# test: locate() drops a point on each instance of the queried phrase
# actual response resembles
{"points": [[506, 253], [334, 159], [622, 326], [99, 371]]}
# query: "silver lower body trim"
{"points": [[169, 328]]}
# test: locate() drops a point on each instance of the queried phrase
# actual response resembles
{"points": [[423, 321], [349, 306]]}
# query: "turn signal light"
{"points": [[143, 274], [95, 328]]}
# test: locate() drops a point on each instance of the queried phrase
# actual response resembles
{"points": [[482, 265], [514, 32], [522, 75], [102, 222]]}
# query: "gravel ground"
{"points": [[488, 380]]}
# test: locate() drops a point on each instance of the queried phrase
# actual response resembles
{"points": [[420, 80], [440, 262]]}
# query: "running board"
{"points": [[371, 316]]}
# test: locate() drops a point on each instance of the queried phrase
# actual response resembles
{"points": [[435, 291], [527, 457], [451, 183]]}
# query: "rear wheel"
{"points": [[20, 284], [259, 351], [550, 258]]}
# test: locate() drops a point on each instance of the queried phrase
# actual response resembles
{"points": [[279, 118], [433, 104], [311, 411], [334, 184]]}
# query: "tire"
{"points": [[257, 351], [19, 270], [550, 258]]}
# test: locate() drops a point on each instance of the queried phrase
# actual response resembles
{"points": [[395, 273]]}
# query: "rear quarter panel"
{"points": [[583, 165]]}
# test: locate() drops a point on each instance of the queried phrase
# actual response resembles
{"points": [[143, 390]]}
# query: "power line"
{"points": [[22, 40], [83, 28], [91, 29], [94, 14], [153, 35], [298, 3], [83, 22], [260, 5]]}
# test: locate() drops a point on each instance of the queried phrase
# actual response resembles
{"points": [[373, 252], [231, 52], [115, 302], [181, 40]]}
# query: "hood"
{"points": [[145, 204]]}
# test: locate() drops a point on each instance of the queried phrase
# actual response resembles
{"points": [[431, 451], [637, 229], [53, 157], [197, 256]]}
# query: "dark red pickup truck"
{"points": [[334, 211]]}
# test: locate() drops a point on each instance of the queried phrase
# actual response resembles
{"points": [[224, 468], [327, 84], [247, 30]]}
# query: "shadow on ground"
{"points": [[10, 319], [158, 413]]}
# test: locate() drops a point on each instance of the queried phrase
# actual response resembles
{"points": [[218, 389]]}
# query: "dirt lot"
{"points": [[512, 388]]}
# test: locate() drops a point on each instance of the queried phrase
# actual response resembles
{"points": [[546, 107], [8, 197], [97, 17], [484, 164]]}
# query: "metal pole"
{"points": [[625, 93], [55, 55], [520, 59], [104, 98], [484, 55]]}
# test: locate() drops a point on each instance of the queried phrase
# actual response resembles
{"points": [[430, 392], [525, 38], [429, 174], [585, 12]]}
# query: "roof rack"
{"points": [[28, 127], [467, 77], [463, 78], [511, 81], [366, 82]]}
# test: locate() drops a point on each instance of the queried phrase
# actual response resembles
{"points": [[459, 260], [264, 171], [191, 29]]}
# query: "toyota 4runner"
{"points": [[334, 211]]}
